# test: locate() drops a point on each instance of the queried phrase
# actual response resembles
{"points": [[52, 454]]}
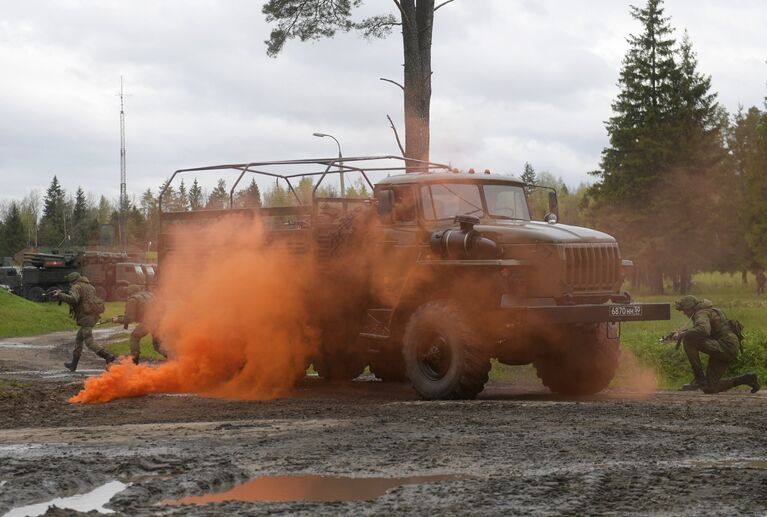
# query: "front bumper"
{"points": [[564, 314]]}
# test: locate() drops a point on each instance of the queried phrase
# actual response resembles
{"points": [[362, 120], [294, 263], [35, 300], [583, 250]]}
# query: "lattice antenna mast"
{"points": [[123, 186]]}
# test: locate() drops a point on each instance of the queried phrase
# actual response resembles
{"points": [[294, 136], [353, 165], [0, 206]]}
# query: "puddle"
{"points": [[92, 501], [310, 488], [26, 345]]}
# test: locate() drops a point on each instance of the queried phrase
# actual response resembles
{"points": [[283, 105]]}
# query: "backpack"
{"points": [[92, 304], [735, 326]]}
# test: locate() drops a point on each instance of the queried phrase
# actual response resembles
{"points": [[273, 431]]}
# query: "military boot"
{"points": [[749, 379], [72, 365], [135, 359], [106, 355], [699, 382]]}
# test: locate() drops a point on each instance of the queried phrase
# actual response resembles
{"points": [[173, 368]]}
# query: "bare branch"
{"points": [[399, 143], [393, 82], [402, 11], [443, 4]]}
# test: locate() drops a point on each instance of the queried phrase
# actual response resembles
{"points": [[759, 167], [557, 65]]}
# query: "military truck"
{"points": [[453, 272], [111, 273]]}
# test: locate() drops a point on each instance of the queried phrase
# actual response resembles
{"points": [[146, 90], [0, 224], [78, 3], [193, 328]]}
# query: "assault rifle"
{"points": [[670, 337]]}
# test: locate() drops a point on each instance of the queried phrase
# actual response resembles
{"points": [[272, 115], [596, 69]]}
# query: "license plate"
{"points": [[625, 311]]}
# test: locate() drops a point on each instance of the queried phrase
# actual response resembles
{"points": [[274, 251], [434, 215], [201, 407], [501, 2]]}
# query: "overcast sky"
{"points": [[514, 81]]}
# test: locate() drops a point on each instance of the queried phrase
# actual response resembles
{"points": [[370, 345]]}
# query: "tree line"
{"points": [[60, 220]]}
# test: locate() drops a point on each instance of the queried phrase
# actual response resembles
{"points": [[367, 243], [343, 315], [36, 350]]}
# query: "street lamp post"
{"points": [[340, 159]]}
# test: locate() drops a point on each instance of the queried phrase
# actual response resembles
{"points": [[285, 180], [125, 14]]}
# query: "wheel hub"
{"points": [[434, 358]]}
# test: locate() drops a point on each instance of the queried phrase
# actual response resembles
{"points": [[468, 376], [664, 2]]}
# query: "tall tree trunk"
{"points": [[417, 22]]}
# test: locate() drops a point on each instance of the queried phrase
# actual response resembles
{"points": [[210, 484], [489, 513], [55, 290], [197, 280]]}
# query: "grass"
{"points": [[20, 317], [122, 347]]}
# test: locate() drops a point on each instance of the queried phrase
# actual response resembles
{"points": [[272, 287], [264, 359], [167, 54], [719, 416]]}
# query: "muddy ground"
{"points": [[523, 450]]}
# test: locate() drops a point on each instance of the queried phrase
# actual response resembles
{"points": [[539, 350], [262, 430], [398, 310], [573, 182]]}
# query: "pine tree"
{"points": [[52, 224], [196, 199], [14, 236], [640, 129], [656, 185], [528, 176], [756, 194], [249, 197], [219, 198], [80, 223], [181, 201]]}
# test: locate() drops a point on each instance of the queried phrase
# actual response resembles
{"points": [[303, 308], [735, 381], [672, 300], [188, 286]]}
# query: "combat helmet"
{"points": [[686, 303], [72, 277]]}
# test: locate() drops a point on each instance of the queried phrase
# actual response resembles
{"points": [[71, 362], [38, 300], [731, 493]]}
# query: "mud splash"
{"points": [[311, 488]]}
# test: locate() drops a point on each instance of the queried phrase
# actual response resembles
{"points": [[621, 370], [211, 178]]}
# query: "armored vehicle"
{"points": [[10, 277], [453, 272], [43, 273], [110, 273]]}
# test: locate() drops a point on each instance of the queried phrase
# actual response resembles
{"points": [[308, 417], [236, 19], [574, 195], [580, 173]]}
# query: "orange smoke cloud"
{"points": [[231, 312], [634, 376]]}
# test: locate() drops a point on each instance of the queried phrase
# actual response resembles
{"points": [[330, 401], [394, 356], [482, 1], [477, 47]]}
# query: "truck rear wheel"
{"points": [[36, 294], [49, 293], [444, 357], [583, 362]]}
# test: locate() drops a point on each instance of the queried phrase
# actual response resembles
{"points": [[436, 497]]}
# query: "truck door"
{"points": [[397, 245]]}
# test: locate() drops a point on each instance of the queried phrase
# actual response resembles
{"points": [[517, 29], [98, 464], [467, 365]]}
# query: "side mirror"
{"points": [[385, 200], [553, 215]]}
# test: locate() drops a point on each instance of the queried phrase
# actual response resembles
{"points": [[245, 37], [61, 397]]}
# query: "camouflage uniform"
{"points": [[761, 279], [135, 311], [711, 334], [82, 301]]}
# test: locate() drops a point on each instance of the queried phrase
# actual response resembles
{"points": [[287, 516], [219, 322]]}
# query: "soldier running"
{"points": [[86, 308], [136, 310], [711, 334]]}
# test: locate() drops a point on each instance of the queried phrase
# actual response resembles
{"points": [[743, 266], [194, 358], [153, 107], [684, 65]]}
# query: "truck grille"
{"points": [[592, 267]]}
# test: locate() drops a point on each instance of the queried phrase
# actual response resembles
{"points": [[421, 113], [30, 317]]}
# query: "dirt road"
{"points": [[518, 449]]}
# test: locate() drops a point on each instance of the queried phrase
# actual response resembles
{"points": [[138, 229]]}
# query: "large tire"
{"points": [[121, 293], [49, 293], [36, 294], [389, 367], [582, 361], [444, 357]]}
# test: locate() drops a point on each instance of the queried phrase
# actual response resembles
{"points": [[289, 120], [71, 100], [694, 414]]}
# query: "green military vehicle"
{"points": [[453, 273], [110, 273]]}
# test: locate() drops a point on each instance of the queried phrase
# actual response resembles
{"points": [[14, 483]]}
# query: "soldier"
{"points": [[86, 308], [135, 312], [760, 281], [712, 335]]}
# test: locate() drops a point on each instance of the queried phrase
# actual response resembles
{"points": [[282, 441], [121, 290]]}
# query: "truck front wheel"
{"points": [[582, 361], [444, 357]]}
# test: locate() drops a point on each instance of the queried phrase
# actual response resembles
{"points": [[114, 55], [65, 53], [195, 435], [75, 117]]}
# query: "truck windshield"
{"points": [[446, 200], [506, 202]]}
